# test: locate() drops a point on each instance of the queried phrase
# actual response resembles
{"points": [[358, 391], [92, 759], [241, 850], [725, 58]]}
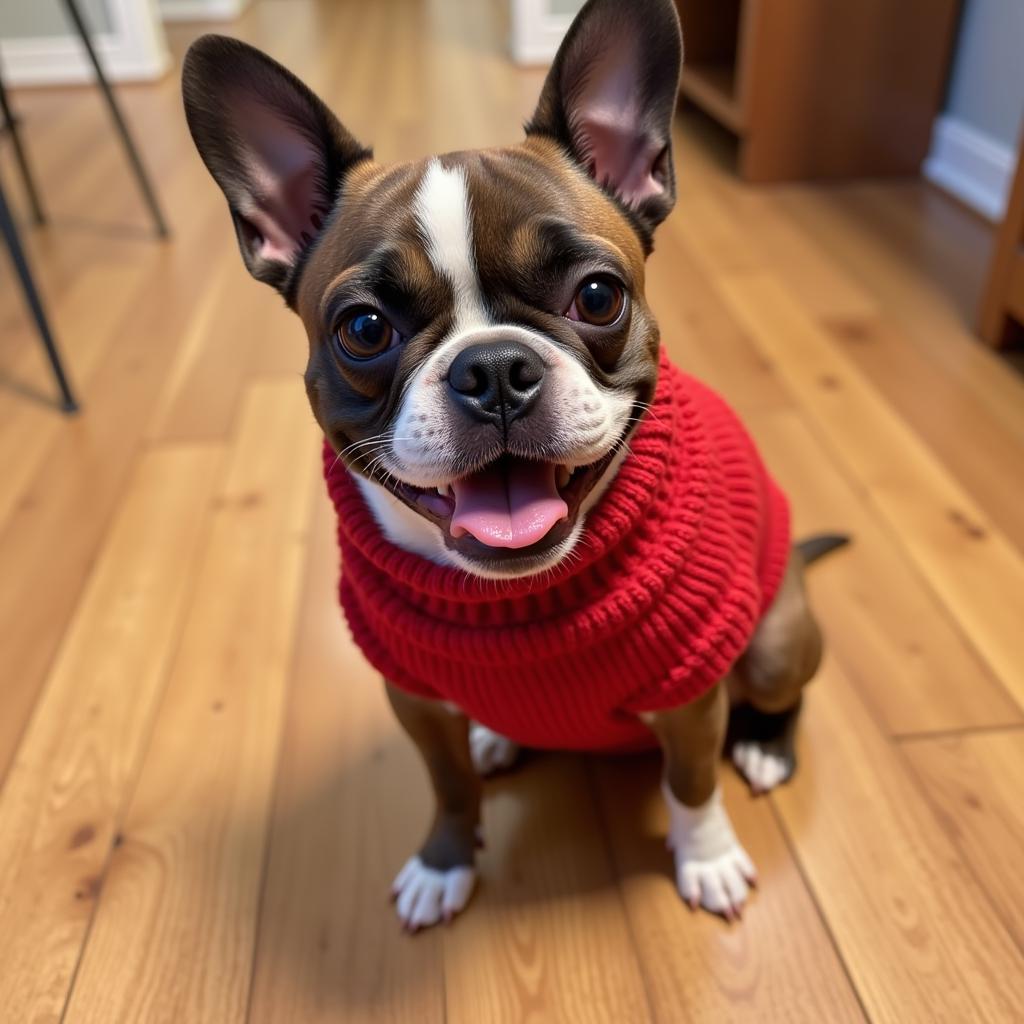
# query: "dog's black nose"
{"points": [[496, 381]]}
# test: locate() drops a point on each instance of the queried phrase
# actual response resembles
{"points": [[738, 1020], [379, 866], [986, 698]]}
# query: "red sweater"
{"points": [[682, 556]]}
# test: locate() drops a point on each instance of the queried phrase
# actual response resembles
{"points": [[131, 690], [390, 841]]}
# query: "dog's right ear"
{"points": [[279, 155]]}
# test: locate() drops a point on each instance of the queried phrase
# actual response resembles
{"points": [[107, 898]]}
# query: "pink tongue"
{"points": [[508, 506]]}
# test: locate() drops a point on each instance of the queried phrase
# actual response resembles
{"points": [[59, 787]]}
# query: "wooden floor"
{"points": [[204, 797]]}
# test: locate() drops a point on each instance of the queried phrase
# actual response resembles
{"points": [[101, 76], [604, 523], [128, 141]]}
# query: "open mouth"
{"points": [[510, 508]]}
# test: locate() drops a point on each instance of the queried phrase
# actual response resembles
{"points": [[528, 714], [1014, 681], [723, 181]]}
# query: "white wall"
{"points": [[38, 46], [986, 89], [974, 145], [205, 10], [30, 19]]}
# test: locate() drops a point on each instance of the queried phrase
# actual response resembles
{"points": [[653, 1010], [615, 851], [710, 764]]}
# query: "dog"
{"points": [[550, 535]]}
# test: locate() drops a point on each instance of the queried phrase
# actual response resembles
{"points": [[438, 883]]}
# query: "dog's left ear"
{"points": [[610, 96]]}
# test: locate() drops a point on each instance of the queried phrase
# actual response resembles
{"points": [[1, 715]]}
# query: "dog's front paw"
{"points": [[491, 751], [712, 869], [720, 884], [424, 896]]}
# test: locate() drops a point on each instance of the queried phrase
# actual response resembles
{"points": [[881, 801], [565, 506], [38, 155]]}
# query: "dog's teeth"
{"points": [[444, 490], [563, 476]]}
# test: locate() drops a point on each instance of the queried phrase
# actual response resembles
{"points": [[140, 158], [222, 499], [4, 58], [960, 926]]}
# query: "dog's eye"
{"points": [[364, 333], [598, 301]]}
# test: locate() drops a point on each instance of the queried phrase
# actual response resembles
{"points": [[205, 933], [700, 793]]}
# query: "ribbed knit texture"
{"points": [[678, 562]]}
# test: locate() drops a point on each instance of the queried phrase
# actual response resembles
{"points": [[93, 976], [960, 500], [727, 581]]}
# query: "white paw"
{"points": [[720, 885], [763, 770], [712, 869], [491, 751], [423, 896]]}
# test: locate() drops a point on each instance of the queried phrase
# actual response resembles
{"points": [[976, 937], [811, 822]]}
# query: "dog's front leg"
{"points": [[436, 883], [712, 869]]}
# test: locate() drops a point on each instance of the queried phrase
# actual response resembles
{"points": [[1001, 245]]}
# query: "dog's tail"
{"points": [[813, 548]]}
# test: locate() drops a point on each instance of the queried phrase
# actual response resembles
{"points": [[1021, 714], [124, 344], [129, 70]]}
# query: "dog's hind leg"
{"points": [[768, 680], [491, 751]]}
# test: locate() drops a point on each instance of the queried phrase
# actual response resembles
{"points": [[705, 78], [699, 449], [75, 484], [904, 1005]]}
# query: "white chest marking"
{"points": [[443, 214]]}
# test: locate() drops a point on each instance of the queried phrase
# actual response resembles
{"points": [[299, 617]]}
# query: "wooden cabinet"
{"points": [[820, 88], [1002, 308]]}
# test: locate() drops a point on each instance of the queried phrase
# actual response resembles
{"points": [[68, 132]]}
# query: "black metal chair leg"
{"points": [[11, 126], [145, 185], [10, 233]]}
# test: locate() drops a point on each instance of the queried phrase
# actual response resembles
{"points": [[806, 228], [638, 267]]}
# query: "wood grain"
{"points": [[31, 428], [958, 425], [973, 783], [906, 656], [174, 933], [351, 804], [978, 573], [53, 530], [550, 938], [961, 424], [842, 90], [697, 967], [61, 803], [893, 266], [917, 934], [703, 337]]}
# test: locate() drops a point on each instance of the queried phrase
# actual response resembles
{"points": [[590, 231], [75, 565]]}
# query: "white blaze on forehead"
{"points": [[442, 212]]}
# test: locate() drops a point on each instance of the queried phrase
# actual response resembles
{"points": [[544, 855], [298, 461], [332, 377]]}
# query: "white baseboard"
{"points": [[202, 10], [536, 32], [974, 167], [134, 49]]}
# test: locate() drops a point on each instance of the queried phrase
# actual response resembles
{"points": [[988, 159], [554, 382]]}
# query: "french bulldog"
{"points": [[550, 536]]}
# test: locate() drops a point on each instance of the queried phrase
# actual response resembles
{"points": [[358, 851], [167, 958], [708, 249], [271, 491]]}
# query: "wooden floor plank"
{"points": [[351, 802], [60, 805], [911, 297], [971, 565], [53, 531], [908, 658], [921, 226], [962, 425], [957, 424], [547, 937], [174, 932], [31, 426], [974, 785], [200, 395], [919, 937], [760, 225], [702, 336], [778, 964]]}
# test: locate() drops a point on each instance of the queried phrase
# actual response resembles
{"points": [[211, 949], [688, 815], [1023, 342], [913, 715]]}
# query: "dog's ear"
{"points": [[277, 152], [610, 96]]}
